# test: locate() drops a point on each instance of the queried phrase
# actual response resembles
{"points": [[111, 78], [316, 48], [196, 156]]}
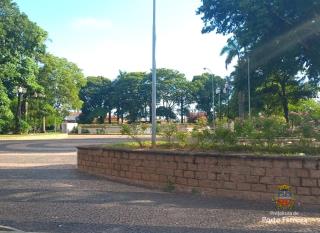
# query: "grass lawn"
{"points": [[36, 136]]}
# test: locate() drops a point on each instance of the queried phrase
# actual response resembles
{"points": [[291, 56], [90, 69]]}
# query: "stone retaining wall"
{"points": [[238, 176]]}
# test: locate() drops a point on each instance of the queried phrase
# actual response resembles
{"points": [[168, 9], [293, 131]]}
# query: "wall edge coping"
{"points": [[201, 154]]}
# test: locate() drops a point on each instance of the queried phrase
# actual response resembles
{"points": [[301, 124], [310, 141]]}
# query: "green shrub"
{"points": [[202, 138], [168, 131], [272, 128], [4, 126], [295, 118], [101, 131], [245, 128], [182, 138], [307, 130], [224, 136], [262, 130], [202, 121], [201, 134], [133, 131], [85, 131], [222, 122], [24, 127]]}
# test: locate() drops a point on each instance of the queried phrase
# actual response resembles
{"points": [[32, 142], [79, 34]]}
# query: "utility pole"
{"points": [[213, 94], [154, 77], [249, 93]]}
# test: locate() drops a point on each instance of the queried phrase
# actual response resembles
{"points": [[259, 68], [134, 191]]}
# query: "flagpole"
{"points": [[154, 77]]}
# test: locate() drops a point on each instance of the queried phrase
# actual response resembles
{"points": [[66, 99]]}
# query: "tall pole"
{"points": [[18, 123], [249, 94], [220, 104], [213, 106], [213, 93], [154, 77]]}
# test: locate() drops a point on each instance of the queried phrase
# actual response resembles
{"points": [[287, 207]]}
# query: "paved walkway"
{"points": [[41, 191]]}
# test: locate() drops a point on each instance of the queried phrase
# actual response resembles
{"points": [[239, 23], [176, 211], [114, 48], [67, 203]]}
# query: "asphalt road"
{"points": [[41, 191]]}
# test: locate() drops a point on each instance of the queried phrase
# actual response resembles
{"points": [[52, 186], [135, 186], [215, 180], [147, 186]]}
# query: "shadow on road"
{"points": [[75, 227], [63, 183]]}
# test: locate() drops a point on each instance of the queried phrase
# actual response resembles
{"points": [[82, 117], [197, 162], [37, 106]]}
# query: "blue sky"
{"points": [[105, 36]]}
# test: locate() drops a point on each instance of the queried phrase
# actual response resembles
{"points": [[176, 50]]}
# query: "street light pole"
{"points": [[213, 94], [218, 91], [213, 105], [249, 92], [21, 91], [154, 77]]}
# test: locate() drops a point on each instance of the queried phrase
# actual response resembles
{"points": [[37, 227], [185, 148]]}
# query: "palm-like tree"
{"points": [[232, 49]]}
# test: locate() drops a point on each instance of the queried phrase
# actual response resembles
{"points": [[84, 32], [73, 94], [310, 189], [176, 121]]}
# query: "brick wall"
{"points": [[238, 176]]}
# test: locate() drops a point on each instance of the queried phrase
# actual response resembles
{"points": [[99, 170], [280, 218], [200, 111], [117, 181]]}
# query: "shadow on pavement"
{"points": [[64, 184], [62, 227]]}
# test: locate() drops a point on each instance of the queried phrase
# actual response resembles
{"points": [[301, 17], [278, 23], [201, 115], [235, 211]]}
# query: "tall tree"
{"points": [[128, 99], [5, 113], [205, 86], [280, 37], [174, 91], [145, 90], [232, 50], [96, 96], [21, 44], [287, 89], [62, 81], [183, 95]]}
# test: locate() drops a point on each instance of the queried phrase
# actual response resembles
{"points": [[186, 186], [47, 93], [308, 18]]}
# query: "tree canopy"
{"points": [[281, 39], [27, 72], [276, 44]]}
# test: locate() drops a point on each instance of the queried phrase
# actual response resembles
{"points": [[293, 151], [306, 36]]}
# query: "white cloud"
{"points": [[91, 23]]}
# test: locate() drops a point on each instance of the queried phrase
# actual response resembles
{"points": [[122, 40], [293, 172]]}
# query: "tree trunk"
{"points": [[145, 112], [284, 101], [181, 112], [241, 104], [109, 118], [122, 118], [23, 107], [44, 124], [285, 109], [118, 115], [210, 116]]}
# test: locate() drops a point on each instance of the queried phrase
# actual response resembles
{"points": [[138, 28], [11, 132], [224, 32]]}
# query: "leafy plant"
{"points": [[24, 127], [101, 131], [169, 131], [182, 138], [202, 138], [134, 131], [85, 131], [273, 127], [202, 121], [244, 128], [224, 136], [307, 130]]}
